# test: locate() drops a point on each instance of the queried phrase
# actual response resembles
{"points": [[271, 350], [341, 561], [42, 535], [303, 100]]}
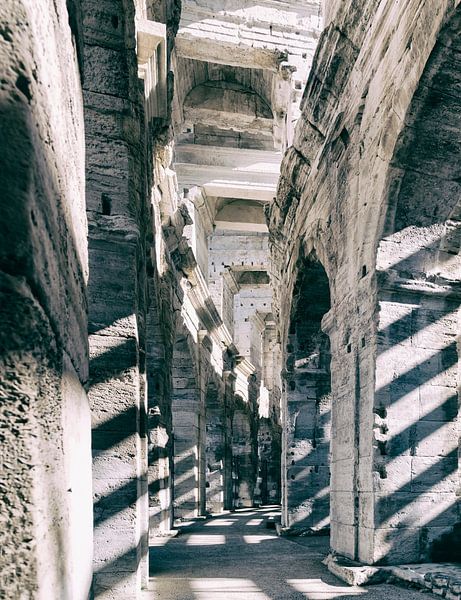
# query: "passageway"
{"points": [[236, 556]]}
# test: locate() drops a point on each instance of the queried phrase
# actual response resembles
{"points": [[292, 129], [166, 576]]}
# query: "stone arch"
{"points": [[187, 421], [418, 275], [227, 105], [306, 443], [244, 453]]}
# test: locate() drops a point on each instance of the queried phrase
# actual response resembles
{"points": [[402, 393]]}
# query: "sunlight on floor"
{"points": [[316, 589], [206, 540], [221, 523], [224, 589], [254, 522], [158, 542], [257, 539]]}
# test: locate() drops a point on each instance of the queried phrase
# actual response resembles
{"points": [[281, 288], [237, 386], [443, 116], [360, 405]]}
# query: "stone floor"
{"points": [[236, 557]]}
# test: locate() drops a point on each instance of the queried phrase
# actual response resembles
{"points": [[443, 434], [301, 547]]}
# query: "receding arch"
{"points": [[227, 105], [306, 446], [420, 230]]}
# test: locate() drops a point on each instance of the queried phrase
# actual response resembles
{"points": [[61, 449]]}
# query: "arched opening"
{"points": [[416, 401], [244, 454], [308, 413]]}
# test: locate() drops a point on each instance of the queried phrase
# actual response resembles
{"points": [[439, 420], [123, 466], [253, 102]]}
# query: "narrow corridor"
{"points": [[237, 557]]}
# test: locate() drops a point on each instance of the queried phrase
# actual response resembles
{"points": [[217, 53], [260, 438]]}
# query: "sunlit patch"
{"points": [[221, 523], [254, 522], [224, 589], [158, 542], [257, 539], [206, 540], [316, 589]]}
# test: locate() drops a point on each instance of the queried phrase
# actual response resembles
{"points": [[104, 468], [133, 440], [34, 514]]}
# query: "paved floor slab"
{"points": [[236, 557]]}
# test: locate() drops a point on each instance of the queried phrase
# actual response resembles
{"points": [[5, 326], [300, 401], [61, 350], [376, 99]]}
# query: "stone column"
{"points": [[186, 399], [243, 454], [117, 216], [229, 383], [215, 447]]}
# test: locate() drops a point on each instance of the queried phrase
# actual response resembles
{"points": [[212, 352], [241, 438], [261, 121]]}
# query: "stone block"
{"points": [[410, 510], [434, 474], [394, 474], [438, 403], [109, 71], [342, 538], [342, 475], [436, 439], [342, 507], [397, 546]]}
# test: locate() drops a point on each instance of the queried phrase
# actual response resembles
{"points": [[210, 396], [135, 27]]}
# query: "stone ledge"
{"points": [[442, 579], [354, 573]]}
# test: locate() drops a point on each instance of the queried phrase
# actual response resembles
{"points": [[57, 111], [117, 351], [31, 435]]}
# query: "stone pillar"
{"points": [[243, 455], [269, 454], [160, 438], [205, 347], [413, 504], [215, 448], [229, 383], [117, 216], [307, 443], [186, 400]]}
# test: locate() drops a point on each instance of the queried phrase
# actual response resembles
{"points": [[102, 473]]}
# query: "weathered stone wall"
{"points": [[45, 494], [118, 217], [339, 194]]}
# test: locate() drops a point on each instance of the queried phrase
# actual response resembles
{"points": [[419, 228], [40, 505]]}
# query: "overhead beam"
{"points": [[228, 172], [225, 182], [236, 121], [243, 159], [202, 45]]}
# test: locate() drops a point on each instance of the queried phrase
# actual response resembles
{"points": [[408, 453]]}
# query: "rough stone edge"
{"points": [[431, 577], [353, 572]]}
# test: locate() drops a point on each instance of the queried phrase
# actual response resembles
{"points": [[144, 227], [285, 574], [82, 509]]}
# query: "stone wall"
{"points": [[360, 171], [45, 494]]}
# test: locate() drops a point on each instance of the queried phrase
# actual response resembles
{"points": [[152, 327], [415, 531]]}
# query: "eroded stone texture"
{"points": [[45, 469], [369, 185]]}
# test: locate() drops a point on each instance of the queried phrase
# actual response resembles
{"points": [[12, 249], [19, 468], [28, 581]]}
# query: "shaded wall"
{"points": [[45, 498]]}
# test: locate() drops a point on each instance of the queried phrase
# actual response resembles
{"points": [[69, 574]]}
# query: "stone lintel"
{"points": [[237, 121], [149, 35], [225, 182], [391, 281], [199, 45]]}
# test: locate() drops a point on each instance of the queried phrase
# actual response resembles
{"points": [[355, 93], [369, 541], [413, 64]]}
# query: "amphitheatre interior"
{"points": [[230, 292]]}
